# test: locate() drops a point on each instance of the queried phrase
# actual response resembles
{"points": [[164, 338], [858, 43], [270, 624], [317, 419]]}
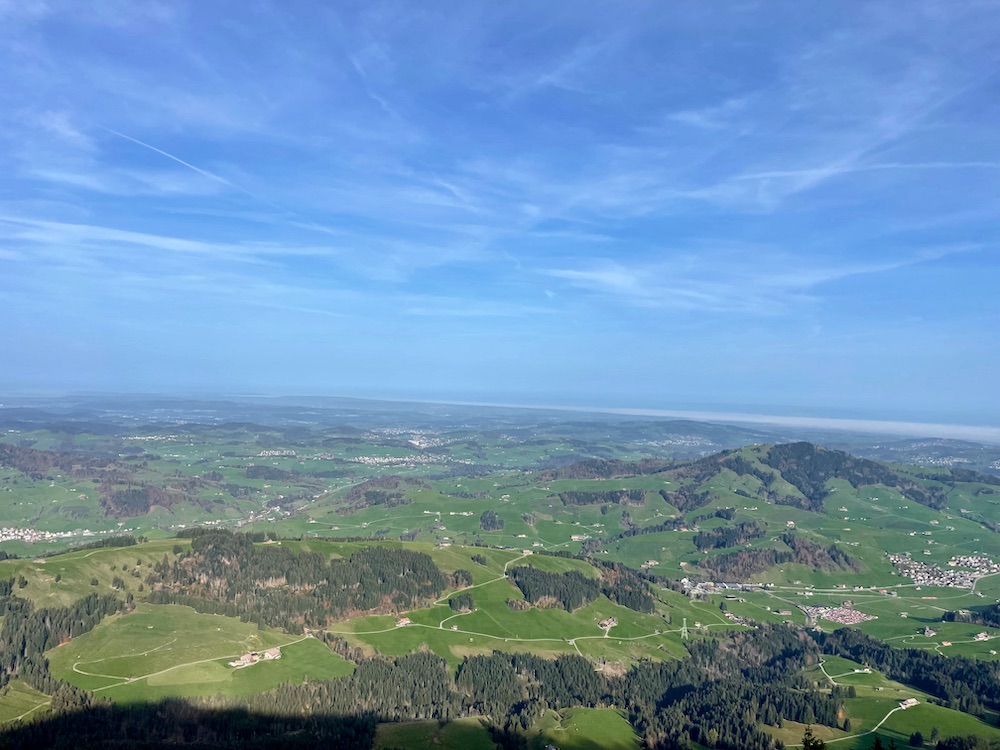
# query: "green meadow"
{"points": [[583, 729], [461, 734], [168, 650], [19, 701], [76, 571], [494, 625], [877, 696]]}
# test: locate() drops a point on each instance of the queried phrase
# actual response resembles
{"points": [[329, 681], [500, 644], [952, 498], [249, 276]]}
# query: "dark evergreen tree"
{"points": [[490, 521], [809, 742]]}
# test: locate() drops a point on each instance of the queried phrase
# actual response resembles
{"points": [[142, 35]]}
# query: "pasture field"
{"points": [[19, 701], [877, 696], [77, 569], [461, 734], [494, 625], [169, 650], [926, 716], [790, 732], [583, 729], [867, 521]]}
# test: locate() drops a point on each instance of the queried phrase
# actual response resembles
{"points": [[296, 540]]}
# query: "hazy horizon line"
{"points": [[841, 424], [954, 431]]}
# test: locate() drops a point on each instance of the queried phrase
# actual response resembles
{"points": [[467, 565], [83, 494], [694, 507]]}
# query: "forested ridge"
{"points": [[744, 564], [989, 616], [572, 589], [809, 467], [272, 585], [671, 524], [609, 497], [802, 465], [602, 468], [386, 491], [728, 536], [121, 492]]}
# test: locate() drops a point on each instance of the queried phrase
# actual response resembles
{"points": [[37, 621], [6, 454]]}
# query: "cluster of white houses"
{"points": [[12, 534], [931, 574], [840, 615]]}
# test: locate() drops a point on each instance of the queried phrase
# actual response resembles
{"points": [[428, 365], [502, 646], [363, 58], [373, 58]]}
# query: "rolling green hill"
{"points": [[369, 559]]}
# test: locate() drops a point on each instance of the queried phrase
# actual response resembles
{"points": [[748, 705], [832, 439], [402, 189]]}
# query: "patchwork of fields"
{"points": [[747, 543]]}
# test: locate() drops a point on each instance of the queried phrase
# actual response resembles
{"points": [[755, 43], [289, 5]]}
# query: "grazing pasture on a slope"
{"points": [[583, 729], [163, 650], [19, 701], [64, 578], [461, 734]]}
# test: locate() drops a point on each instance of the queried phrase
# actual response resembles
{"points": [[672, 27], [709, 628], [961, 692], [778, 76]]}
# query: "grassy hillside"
{"points": [[159, 651], [806, 532]]}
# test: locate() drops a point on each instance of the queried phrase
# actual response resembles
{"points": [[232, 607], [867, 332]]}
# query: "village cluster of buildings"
{"points": [[253, 657], [11, 534], [979, 563], [963, 572], [840, 615], [404, 461]]}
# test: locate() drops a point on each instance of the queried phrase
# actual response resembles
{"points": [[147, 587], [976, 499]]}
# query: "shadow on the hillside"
{"points": [[176, 724]]}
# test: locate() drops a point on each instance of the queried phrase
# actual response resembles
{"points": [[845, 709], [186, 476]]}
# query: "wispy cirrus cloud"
{"points": [[715, 117], [107, 240], [547, 169], [749, 279]]}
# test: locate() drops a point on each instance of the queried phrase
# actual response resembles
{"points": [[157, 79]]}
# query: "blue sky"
{"points": [[789, 206]]}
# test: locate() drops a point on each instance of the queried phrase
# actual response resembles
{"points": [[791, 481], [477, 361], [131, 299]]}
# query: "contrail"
{"points": [[222, 180], [161, 152]]}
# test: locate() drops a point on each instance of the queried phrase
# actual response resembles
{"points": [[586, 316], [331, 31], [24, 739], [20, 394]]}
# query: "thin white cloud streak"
{"points": [[828, 172], [128, 182], [450, 307], [719, 282], [369, 92], [161, 152], [716, 117], [313, 225], [58, 124], [365, 255], [232, 290], [97, 238]]}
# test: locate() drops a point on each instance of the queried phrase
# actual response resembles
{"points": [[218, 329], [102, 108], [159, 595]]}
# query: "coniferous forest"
{"points": [[226, 573]]}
